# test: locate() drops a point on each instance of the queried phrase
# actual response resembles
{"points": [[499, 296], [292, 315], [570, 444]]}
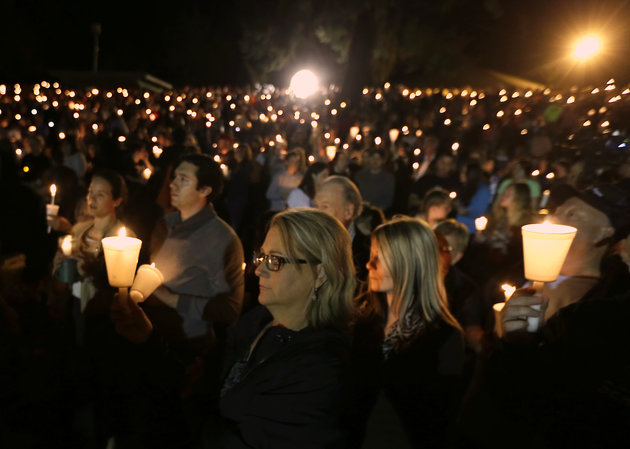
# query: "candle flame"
{"points": [[66, 245], [53, 189], [153, 264], [508, 290], [481, 223], [122, 232]]}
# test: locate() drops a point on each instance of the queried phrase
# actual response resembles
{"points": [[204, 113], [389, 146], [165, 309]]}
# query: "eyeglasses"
{"points": [[273, 262]]}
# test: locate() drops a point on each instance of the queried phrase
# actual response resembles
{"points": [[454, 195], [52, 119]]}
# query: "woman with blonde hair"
{"points": [[405, 333], [285, 361]]}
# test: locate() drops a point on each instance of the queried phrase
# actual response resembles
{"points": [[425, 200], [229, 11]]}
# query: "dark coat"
{"points": [[290, 393], [420, 378]]}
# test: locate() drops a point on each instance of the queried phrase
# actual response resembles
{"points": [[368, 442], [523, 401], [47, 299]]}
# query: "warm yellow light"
{"points": [[587, 47], [304, 83]]}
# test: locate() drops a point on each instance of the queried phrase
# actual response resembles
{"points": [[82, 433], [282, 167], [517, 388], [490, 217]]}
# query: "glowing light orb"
{"points": [[304, 83], [587, 47]]}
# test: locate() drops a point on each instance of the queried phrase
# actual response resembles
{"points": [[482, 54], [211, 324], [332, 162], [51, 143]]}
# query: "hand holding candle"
{"points": [[147, 280], [545, 247]]}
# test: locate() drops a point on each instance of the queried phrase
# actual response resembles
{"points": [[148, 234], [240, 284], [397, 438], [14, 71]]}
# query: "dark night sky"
{"points": [[192, 41]]}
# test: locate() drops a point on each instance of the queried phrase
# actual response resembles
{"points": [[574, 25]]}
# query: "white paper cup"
{"points": [[545, 246], [121, 259], [147, 280]]}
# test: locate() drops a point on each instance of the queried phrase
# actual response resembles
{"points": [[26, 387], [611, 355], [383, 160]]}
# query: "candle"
{"points": [[331, 151], [545, 246], [498, 328], [481, 223], [544, 199], [53, 192], [121, 257], [147, 280], [66, 245], [225, 170], [508, 290]]}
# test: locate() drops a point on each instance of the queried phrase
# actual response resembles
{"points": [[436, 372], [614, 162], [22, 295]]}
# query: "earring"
{"points": [[314, 294]]}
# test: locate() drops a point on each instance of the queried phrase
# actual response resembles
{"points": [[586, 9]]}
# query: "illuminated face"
{"points": [[592, 224], [288, 288], [380, 279], [100, 201], [507, 197], [184, 192], [330, 199]]}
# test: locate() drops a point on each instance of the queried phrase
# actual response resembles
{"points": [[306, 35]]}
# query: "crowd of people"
{"points": [[382, 229]]}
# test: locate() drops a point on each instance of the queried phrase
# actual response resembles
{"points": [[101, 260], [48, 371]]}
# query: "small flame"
{"points": [[66, 245], [53, 189], [153, 265], [122, 232], [508, 290]]}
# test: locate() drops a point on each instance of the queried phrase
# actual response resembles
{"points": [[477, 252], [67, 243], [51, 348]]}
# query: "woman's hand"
{"points": [[130, 321]]}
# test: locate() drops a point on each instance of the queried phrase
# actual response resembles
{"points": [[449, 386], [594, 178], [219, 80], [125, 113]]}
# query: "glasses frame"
{"points": [[273, 262]]}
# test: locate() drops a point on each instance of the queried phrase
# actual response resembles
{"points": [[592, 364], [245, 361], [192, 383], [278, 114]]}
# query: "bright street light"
{"points": [[587, 47], [304, 83]]}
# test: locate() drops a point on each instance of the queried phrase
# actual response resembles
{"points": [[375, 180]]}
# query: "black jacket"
{"points": [[289, 393], [420, 378]]}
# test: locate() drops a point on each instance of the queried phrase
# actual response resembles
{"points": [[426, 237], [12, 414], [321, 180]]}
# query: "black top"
{"points": [[289, 393], [420, 377]]}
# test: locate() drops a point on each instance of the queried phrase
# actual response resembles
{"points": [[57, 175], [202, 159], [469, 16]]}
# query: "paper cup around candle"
{"points": [[52, 210], [545, 246], [121, 258], [147, 280]]}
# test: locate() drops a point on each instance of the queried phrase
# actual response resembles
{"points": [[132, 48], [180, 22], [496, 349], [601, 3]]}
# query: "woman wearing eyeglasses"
{"points": [[285, 362], [407, 344]]}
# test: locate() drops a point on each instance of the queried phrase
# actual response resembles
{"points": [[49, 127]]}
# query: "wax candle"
{"points": [[331, 151], [147, 280], [121, 257]]}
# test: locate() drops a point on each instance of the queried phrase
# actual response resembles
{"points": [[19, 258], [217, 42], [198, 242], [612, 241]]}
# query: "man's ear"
{"points": [[348, 212], [205, 191], [321, 276], [604, 233]]}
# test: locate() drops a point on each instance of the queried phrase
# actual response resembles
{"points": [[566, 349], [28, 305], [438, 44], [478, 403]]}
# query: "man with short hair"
{"points": [[462, 290], [200, 256], [375, 183], [340, 197]]}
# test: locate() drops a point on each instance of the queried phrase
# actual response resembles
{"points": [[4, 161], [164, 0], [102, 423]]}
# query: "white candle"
{"points": [[53, 192], [121, 257], [481, 223], [393, 134], [544, 199], [498, 327], [545, 246], [331, 151], [147, 280]]}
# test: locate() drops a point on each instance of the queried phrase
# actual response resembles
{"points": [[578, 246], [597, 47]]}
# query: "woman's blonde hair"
{"points": [[322, 240], [408, 249]]}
